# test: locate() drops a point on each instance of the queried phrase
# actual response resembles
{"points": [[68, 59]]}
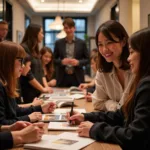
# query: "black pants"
{"points": [[69, 80]]}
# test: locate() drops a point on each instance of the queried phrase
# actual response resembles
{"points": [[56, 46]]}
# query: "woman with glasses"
{"points": [[35, 82], [11, 60], [113, 77]]}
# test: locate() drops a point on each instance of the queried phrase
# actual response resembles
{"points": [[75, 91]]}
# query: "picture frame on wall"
{"points": [[19, 36]]}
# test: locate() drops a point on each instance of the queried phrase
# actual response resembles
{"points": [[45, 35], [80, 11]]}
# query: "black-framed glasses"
{"points": [[21, 60]]}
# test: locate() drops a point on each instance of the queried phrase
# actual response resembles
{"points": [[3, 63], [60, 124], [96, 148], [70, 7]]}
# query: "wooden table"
{"points": [[94, 146]]}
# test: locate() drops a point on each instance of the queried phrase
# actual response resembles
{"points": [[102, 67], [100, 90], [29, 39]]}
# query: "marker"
{"points": [[71, 112]]}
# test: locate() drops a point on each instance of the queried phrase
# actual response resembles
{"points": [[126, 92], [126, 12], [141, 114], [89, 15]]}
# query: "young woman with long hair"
{"points": [[129, 126], [34, 83], [113, 78], [11, 64], [48, 66]]}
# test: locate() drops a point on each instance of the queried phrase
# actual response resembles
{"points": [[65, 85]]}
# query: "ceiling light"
{"points": [[80, 1], [62, 34], [57, 24], [42, 1], [49, 6]]}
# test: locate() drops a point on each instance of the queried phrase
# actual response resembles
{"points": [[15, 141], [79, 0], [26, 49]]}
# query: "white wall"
{"points": [[144, 11], [18, 18], [125, 14], [104, 14], [135, 15], [91, 26]]}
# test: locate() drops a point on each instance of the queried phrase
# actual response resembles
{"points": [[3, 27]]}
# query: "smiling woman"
{"points": [[113, 78], [47, 63]]}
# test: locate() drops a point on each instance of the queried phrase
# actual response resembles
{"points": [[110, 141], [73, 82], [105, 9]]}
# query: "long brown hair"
{"points": [[31, 39], [8, 53], [140, 42], [108, 28], [49, 66]]}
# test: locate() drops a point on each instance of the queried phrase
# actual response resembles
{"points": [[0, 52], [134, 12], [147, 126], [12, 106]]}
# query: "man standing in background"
{"points": [[3, 30], [70, 55]]}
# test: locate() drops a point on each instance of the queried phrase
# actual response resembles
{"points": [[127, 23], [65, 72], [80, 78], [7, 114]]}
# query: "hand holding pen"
{"points": [[74, 117]]}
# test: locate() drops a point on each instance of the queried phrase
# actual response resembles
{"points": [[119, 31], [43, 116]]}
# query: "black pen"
{"points": [[71, 112]]}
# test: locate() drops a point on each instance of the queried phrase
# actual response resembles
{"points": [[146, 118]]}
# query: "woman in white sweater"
{"points": [[113, 78]]}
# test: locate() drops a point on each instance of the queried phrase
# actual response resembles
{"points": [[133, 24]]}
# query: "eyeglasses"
{"points": [[21, 60]]}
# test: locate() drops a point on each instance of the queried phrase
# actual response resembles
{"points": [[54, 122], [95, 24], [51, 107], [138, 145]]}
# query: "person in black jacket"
{"points": [[11, 61], [70, 55], [20, 133], [130, 126]]}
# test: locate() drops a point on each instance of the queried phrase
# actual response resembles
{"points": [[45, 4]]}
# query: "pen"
{"points": [[71, 112]]}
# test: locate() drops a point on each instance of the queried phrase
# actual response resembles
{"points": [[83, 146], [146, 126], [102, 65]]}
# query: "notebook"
{"points": [[61, 101], [63, 141], [62, 126]]}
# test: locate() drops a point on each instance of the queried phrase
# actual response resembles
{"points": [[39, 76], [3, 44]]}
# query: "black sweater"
{"points": [[10, 112], [28, 91], [6, 140], [131, 133]]}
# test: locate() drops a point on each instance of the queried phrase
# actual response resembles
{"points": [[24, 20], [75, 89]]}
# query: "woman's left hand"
{"points": [[19, 125], [48, 107], [84, 128]]}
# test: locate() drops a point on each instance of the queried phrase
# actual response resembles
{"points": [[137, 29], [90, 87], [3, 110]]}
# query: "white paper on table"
{"points": [[62, 126], [64, 141], [64, 111]]}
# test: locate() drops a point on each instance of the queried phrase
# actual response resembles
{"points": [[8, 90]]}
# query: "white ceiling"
{"points": [[62, 6]]}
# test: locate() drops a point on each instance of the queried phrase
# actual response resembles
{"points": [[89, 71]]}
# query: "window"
{"points": [[50, 35]]}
